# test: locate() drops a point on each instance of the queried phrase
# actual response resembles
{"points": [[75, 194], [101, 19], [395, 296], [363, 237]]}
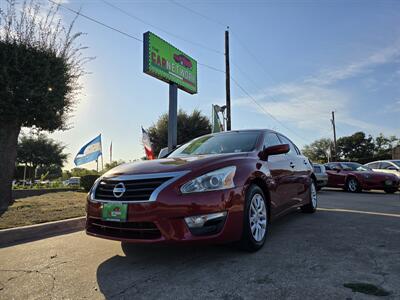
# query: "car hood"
{"points": [[175, 164]]}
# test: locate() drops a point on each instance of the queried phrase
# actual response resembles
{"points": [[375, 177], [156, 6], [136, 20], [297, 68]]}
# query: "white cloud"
{"points": [[308, 104], [383, 56]]}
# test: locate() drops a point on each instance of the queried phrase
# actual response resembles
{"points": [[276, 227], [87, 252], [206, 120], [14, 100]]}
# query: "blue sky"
{"points": [[311, 57]]}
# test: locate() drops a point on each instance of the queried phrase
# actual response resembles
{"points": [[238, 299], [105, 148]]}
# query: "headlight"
{"points": [[216, 180]]}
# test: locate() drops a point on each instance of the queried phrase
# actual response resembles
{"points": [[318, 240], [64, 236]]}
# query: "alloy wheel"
{"points": [[258, 217], [352, 185], [314, 197]]}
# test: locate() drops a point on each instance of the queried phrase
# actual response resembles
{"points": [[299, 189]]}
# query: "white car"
{"points": [[385, 166], [73, 181]]}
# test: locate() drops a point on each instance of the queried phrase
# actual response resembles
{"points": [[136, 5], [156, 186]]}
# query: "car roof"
{"points": [[384, 160], [248, 130]]}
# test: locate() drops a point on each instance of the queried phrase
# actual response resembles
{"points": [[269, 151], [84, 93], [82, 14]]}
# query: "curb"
{"points": [[24, 234]]}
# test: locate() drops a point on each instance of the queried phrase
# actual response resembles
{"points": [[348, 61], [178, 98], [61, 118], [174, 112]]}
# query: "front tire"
{"points": [[352, 185], [255, 220], [390, 191], [311, 207]]}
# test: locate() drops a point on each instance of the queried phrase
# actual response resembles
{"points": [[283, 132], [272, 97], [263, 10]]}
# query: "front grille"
{"points": [[124, 230], [136, 190]]}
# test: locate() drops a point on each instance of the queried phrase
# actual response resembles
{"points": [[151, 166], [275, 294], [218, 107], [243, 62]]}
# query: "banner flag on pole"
{"points": [[90, 152], [147, 145], [111, 152], [216, 123]]}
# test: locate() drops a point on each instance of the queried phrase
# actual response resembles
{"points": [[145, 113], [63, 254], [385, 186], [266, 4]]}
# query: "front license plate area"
{"points": [[388, 182], [116, 212]]}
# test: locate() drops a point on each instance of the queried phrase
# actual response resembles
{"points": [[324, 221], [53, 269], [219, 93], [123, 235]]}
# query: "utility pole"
{"points": [[334, 136], [228, 82]]}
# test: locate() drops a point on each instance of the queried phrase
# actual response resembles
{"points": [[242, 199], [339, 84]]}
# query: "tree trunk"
{"points": [[8, 152]]}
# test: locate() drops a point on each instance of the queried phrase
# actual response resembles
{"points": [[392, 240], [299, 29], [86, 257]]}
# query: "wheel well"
{"points": [[262, 184], [314, 178], [352, 176]]}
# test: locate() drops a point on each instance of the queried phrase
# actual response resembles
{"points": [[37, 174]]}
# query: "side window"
{"points": [[271, 139], [332, 166], [373, 165], [292, 150], [385, 165]]}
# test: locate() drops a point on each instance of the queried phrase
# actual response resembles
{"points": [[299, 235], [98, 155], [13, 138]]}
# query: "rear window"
{"points": [[317, 169]]}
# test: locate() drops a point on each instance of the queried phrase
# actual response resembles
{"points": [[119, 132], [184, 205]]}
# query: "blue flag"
{"points": [[90, 152]]}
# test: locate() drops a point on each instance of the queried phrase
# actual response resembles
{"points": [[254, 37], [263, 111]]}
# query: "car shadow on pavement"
{"points": [[121, 276], [378, 193], [144, 265]]}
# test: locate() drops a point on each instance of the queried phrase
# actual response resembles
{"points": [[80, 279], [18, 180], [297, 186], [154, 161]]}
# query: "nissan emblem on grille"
{"points": [[119, 190]]}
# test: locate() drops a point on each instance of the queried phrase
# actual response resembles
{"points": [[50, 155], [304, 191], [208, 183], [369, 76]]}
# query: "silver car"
{"points": [[386, 166], [321, 175]]}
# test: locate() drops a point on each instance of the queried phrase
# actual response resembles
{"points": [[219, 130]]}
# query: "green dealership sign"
{"points": [[169, 64]]}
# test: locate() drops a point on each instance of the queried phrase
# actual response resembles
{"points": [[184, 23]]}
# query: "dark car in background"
{"points": [[320, 175], [355, 177], [217, 188]]}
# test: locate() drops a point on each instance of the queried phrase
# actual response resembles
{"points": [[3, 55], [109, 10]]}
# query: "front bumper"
{"points": [[163, 220], [368, 184]]}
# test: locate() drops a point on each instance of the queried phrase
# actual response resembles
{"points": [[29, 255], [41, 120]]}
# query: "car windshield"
{"points": [[354, 167], [397, 162], [233, 142]]}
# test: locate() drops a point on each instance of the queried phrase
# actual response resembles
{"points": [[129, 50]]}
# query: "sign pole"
{"points": [[173, 117]]}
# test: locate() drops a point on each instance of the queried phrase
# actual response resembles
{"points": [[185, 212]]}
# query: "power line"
{"points": [[201, 64], [122, 32], [211, 67], [198, 13], [264, 110], [96, 21], [160, 29]]}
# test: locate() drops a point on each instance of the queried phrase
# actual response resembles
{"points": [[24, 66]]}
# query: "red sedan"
{"points": [[355, 177], [217, 188]]}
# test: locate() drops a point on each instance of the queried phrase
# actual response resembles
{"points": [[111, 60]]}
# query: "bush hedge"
{"points": [[87, 181]]}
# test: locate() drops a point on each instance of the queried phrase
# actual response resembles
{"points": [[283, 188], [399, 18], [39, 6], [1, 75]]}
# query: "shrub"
{"points": [[87, 181]]}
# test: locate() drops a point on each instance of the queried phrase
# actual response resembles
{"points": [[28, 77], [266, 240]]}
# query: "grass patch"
{"points": [[44, 208], [366, 288]]}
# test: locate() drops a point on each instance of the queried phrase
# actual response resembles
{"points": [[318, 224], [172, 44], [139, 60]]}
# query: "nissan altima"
{"points": [[217, 188]]}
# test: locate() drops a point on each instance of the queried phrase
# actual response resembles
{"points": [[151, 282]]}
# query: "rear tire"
{"points": [[255, 220], [311, 207], [390, 191], [352, 185]]}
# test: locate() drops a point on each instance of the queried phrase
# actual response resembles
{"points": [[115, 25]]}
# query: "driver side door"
{"points": [[336, 176], [282, 186]]}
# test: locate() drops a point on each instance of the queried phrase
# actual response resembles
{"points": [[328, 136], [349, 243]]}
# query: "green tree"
{"points": [[39, 151], [111, 165], [79, 172], [356, 147], [40, 65], [384, 145], [189, 127], [319, 150]]}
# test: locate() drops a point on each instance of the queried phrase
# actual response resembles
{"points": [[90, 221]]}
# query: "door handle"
{"points": [[291, 165]]}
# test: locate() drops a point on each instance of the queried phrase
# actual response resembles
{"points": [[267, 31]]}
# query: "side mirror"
{"points": [[392, 168], [163, 153], [274, 150], [337, 169]]}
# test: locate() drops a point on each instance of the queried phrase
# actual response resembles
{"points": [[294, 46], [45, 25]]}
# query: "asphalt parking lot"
{"points": [[353, 238]]}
